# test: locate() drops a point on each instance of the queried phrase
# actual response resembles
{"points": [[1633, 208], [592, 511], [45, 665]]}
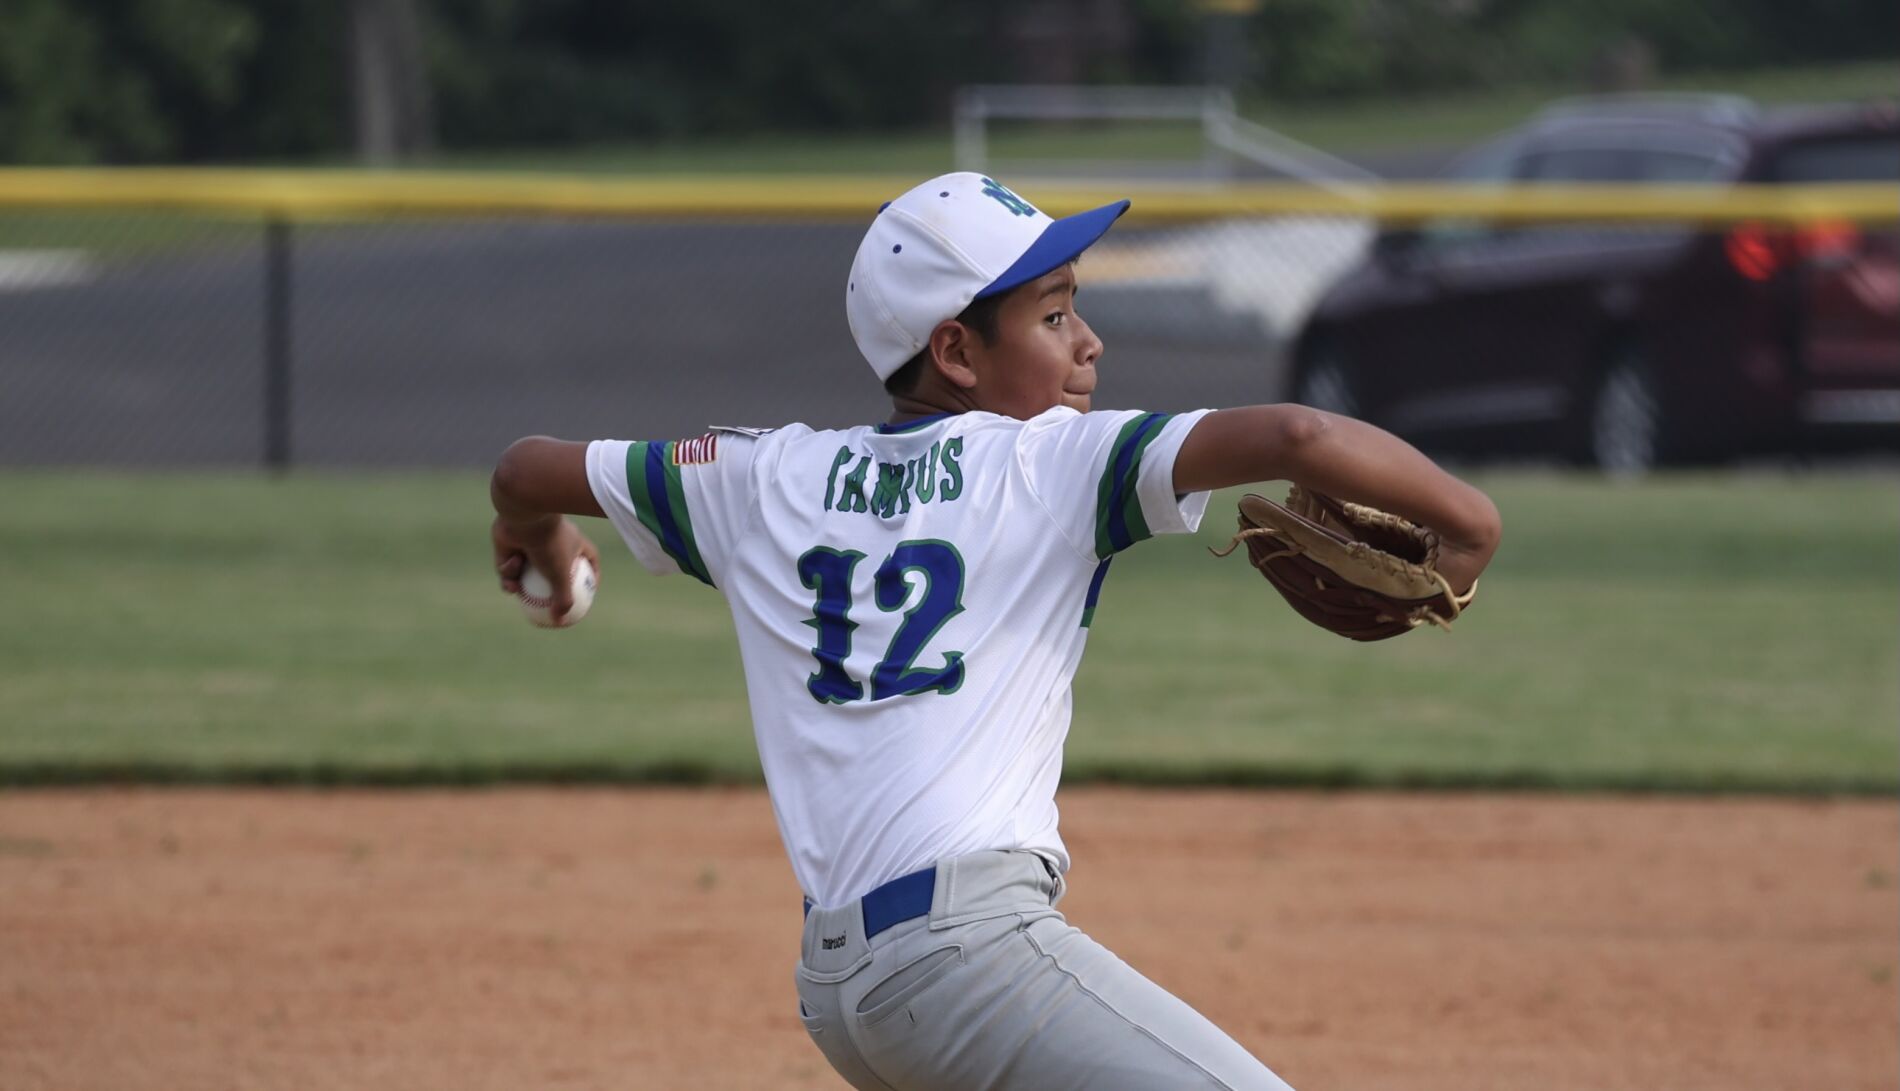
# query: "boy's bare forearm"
{"points": [[1341, 457], [513, 511], [1368, 465], [539, 479]]}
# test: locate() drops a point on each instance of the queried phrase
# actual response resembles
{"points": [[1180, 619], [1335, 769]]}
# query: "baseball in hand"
{"points": [[537, 595]]}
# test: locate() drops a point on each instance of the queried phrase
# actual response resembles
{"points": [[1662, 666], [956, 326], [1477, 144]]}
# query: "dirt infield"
{"points": [[644, 939]]}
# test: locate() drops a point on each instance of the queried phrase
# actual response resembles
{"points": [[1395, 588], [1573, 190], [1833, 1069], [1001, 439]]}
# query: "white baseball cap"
{"points": [[953, 240]]}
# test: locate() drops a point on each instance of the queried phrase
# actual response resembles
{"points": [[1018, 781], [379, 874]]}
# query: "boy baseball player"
{"points": [[912, 599]]}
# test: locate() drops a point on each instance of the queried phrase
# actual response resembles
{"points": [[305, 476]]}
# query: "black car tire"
{"points": [[1626, 430], [1323, 382]]}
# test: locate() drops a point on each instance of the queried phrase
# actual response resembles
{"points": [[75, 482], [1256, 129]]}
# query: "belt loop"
{"points": [[942, 899], [1058, 884]]}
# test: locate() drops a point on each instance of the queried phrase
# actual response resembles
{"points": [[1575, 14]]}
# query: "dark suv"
{"points": [[1625, 346]]}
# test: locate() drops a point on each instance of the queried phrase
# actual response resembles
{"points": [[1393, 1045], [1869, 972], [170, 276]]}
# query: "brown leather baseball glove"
{"points": [[1357, 571]]}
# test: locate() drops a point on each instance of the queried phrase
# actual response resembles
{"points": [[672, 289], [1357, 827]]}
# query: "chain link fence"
{"points": [[171, 341], [172, 338]]}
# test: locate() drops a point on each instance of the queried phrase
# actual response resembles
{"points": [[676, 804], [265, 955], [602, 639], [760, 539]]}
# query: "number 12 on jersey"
{"points": [[828, 571]]}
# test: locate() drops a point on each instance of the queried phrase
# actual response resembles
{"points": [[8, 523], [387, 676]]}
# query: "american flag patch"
{"points": [[695, 452]]}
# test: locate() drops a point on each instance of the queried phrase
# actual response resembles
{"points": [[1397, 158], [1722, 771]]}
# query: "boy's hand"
{"points": [[537, 479], [550, 544]]}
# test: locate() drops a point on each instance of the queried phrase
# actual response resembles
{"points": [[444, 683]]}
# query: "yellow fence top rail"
{"points": [[351, 194]]}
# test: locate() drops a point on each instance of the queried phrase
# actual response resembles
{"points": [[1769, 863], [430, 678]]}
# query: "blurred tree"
{"points": [[1166, 43], [47, 59], [1313, 48], [143, 80], [600, 70], [113, 81], [295, 100]]}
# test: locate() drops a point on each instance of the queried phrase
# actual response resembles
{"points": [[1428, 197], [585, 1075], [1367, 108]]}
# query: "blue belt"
{"points": [[895, 902]]}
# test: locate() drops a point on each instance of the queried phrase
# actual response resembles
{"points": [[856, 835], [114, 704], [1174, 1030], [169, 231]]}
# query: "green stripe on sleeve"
{"points": [[1131, 501], [1119, 521], [637, 488], [692, 564], [653, 481], [1104, 490]]}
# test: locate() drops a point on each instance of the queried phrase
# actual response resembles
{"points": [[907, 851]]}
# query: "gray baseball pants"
{"points": [[993, 989]]}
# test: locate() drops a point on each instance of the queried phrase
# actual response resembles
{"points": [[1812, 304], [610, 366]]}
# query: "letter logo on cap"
{"points": [[993, 188]]}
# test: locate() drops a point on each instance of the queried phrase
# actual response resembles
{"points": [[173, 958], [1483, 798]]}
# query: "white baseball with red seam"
{"points": [[537, 595]]}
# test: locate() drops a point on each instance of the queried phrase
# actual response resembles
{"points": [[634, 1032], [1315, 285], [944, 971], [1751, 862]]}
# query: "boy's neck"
{"points": [[909, 407]]}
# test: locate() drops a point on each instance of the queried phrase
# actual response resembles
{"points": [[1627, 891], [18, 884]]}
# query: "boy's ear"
{"points": [[951, 345]]}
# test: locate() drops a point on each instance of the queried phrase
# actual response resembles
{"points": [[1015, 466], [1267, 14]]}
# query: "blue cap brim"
{"points": [[1060, 243]]}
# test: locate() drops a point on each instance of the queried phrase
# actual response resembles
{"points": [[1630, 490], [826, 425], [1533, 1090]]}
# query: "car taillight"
{"points": [[1754, 250], [1758, 251], [1827, 239]]}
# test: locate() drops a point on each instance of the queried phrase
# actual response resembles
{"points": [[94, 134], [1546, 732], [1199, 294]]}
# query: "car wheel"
{"points": [[1626, 420], [1325, 384]]}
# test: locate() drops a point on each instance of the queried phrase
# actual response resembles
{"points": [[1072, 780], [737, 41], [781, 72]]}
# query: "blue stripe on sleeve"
{"points": [[1095, 593], [1118, 533], [670, 536]]}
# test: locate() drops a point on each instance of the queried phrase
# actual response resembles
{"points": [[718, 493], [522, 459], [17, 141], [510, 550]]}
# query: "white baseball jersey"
{"points": [[911, 603]]}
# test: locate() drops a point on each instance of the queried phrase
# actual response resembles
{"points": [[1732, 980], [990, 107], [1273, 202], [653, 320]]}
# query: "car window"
{"points": [[1495, 163], [1662, 166], [1582, 165], [1854, 159], [1605, 164]]}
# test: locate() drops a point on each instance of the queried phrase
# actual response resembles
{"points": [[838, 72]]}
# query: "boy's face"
{"points": [[1043, 355]]}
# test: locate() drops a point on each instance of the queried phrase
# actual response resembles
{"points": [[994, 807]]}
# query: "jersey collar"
{"points": [[911, 426]]}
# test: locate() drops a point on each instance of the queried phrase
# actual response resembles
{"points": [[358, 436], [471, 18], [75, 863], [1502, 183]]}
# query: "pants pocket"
{"points": [[827, 1037], [908, 982], [823, 1025], [811, 1006]]}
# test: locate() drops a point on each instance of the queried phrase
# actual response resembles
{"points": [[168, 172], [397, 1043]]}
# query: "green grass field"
{"points": [[1692, 633]]}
